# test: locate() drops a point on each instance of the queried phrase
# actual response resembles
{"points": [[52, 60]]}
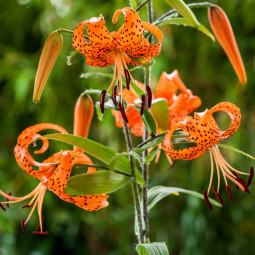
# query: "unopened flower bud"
{"points": [[50, 52], [83, 113], [223, 31]]}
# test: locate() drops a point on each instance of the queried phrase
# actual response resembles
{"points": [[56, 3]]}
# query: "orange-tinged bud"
{"points": [[223, 31], [50, 52], [83, 113]]}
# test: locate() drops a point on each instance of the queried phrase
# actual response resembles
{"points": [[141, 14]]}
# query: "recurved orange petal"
{"points": [[58, 180], [28, 136], [132, 30]]}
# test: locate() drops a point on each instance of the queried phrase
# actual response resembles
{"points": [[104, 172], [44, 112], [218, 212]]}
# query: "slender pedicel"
{"points": [[143, 104], [102, 100], [250, 176], [230, 193], [149, 93], [207, 200], [127, 76], [122, 111]]}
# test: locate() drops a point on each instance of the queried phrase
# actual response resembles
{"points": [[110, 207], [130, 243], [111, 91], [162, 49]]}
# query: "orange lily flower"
{"points": [[125, 47], [179, 106], [204, 131], [55, 171]]}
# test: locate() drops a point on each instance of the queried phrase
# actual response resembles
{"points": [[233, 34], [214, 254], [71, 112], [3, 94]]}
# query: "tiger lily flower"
{"points": [[53, 172], [179, 106], [125, 47], [205, 133]]}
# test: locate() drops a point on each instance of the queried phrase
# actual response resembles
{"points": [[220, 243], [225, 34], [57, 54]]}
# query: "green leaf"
{"points": [[148, 120], [137, 90], [184, 10], [133, 4], [159, 248], [99, 151], [121, 155], [235, 150], [100, 182], [157, 193], [98, 110], [152, 155], [185, 22], [154, 142], [159, 109]]}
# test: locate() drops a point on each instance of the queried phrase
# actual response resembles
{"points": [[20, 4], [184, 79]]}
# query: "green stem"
{"points": [[142, 4], [145, 170], [134, 184], [67, 31]]}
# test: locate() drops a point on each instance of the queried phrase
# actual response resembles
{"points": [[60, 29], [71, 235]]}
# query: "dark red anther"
{"points": [[41, 233], [218, 195], [122, 111], [243, 183], [250, 176], [230, 193], [2, 207], [143, 104], [149, 93], [127, 76], [114, 94], [7, 199], [28, 205], [23, 225], [207, 200], [236, 175], [103, 93]]}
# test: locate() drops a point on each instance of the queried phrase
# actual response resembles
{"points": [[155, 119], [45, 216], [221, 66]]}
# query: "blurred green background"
{"points": [[185, 223]]}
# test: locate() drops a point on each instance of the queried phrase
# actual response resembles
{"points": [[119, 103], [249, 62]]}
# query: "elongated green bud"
{"points": [[50, 52]]}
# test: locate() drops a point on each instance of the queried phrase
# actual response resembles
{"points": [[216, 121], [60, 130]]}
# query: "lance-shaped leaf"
{"points": [[99, 151], [100, 182], [224, 33], [157, 193], [159, 248], [184, 22], [184, 10], [148, 121], [50, 52]]}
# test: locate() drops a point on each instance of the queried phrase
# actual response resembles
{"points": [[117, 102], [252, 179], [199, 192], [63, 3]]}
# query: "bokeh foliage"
{"points": [[185, 223]]}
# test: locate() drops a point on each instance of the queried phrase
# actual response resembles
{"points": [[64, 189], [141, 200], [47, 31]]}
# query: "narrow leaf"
{"points": [[159, 109], [100, 182], [235, 150], [159, 248], [157, 193], [98, 110], [184, 10], [99, 151], [118, 156], [148, 121], [152, 155], [185, 22]]}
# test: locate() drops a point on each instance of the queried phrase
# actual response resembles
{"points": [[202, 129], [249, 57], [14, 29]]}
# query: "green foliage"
{"points": [[99, 151], [100, 182], [152, 249]]}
